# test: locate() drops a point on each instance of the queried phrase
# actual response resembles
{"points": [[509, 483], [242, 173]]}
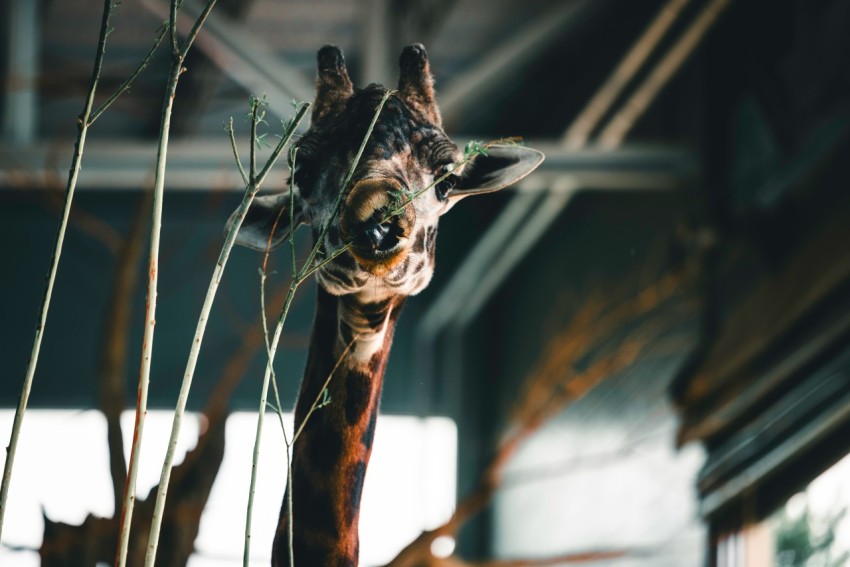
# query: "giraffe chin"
{"points": [[381, 263]]}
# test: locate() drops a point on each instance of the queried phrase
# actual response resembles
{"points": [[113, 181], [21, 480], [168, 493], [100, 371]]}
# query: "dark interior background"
{"points": [[735, 174]]}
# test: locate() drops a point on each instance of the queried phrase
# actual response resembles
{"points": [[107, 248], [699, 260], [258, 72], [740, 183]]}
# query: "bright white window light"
{"points": [[62, 464], [443, 546]]}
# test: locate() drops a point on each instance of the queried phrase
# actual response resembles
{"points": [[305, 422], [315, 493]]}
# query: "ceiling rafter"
{"points": [[208, 164], [245, 59], [499, 66], [389, 25], [524, 221], [377, 30], [199, 87]]}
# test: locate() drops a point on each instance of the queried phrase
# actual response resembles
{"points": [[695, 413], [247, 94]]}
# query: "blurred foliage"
{"points": [[805, 540]]}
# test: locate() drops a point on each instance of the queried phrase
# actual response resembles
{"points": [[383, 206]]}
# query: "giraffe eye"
{"points": [[303, 177], [444, 187]]}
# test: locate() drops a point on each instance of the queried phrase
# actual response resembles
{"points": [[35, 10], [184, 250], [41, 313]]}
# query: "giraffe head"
{"points": [[389, 255]]}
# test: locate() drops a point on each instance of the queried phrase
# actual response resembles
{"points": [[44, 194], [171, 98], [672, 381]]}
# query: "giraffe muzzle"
{"points": [[376, 225]]}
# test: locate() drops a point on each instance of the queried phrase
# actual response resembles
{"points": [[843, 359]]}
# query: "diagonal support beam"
{"points": [[579, 132], [199, 87], [389, 25], [377, 43], [246, 60], [470, 88], [621, 123], [519, 235]]}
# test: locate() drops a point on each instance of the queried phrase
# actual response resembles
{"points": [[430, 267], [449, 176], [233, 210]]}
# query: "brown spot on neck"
{"points": [[331, 456]]}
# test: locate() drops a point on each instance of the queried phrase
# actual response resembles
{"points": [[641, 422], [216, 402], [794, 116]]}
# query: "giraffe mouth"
{"points": [[378, 239], [379, 261]]}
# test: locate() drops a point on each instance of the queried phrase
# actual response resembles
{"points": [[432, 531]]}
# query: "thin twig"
{"points": [[252, 159], [113, 359], [250, 192], [263, 276], [175, 50], [321, 393], [299, 116], [293, 155], [290, 531], [347, 180], [272, 349], [414, 195], [263, 272], [290, 534], [271, 346], [73, 174], [278, 405], [176, 70], [232, 136], [125, 86], [84, 221], [330, 258]]}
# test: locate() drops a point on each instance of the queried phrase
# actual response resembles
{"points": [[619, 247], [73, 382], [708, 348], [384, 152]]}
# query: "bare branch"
{"points": [[73, 174], [150, 311], [555, 382]]}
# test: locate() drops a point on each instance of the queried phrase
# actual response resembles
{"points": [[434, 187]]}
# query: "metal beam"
{"points": [[461, 286], [200, 83], [472, 87], [245, 59], [377, 43], [511, 245], [389, 26], [208, 164], [21, 86], [582, 127], [621, 123], [513, 241], [523, 239]]}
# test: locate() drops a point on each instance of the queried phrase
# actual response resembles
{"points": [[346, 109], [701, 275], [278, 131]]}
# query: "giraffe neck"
{"points": [[330, 456]]}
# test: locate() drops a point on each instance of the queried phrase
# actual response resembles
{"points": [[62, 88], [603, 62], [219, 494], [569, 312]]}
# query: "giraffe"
{"points": [[361, 292]]}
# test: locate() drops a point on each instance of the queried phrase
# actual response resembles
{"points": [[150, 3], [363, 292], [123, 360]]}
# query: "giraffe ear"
{"points": [[503, 166], [260, 221]]}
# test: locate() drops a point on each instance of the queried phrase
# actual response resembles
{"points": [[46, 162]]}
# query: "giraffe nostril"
{"points": [[372, 235], [376, 236], [377, 233]]}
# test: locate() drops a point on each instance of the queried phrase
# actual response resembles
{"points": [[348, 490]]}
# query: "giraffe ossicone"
{"points": [[360, 292]]}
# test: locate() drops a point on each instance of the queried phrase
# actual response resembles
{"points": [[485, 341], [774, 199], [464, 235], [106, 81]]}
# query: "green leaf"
{"points": [[325, 401], [474, 148]]}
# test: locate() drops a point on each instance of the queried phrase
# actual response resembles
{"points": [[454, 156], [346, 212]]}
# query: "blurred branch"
{"points": [[93, 542], [558, 379], [602, 338], [566, 466], [236, 368], [113, 356]]}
